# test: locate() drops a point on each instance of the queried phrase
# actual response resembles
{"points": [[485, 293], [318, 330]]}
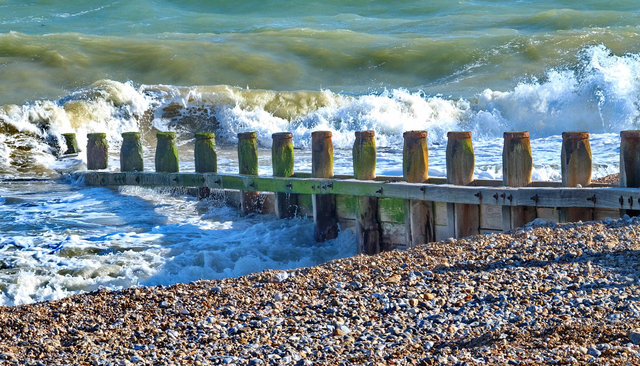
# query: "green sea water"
{"points": [[459, 48]]}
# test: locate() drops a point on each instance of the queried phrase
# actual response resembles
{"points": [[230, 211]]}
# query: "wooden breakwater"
{"points": [[389, 212]]}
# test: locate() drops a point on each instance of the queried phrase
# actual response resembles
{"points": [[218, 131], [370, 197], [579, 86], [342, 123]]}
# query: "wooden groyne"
{"points": [[388, 212]]}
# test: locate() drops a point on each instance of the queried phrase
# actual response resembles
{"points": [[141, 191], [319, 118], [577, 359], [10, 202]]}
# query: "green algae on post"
{"points": [[248, 165], [324, 205], [97, 151], [206, 159], [131, 153], [248, 153], [167, 153], [415, 157], [368, 227], [282, 163], [364, 155], [72, 144]]}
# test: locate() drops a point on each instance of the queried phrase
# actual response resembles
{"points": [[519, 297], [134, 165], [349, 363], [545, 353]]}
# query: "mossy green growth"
{"points": [[205, 153], [364, 158], [167, 153], [72, 144], [97, 151], [248, 153], [415, 161], [282, 157], [131, 153]]}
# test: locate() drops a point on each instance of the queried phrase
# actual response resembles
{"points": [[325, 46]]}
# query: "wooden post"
{"points": [[72, 144], [167, 153], [368, 228], [282, 163], [204, 153], [630, 163], [206, 159], [97, 151], [324, 205], [131, 153], [517, 166], [630, 158], [419, 221], [576, 167], [460, 165], [248, 165]]}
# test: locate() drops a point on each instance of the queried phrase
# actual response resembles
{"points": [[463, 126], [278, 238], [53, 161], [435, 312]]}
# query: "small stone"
{"points": [[594, 352], [280, 277], [216, 289], [413, 302], [184, 312], [394, 279], [341, 330], [278, 296], [136, 359], [428, 345], [634, 336], [164, 304]]}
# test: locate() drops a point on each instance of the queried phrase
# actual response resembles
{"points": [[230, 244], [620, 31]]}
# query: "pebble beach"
{"points": [[544, 294]]}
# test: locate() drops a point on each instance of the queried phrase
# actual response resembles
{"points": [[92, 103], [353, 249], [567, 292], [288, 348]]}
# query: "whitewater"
{"points": [[342, 68]]}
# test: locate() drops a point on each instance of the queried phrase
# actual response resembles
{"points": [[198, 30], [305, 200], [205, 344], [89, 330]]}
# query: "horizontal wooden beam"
{"points": [[594, 197]]}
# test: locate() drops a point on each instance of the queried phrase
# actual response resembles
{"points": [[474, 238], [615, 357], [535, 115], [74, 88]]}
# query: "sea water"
{"points": [[299, 66]]}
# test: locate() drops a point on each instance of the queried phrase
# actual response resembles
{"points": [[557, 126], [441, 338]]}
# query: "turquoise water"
{"points": [[271, 66]]}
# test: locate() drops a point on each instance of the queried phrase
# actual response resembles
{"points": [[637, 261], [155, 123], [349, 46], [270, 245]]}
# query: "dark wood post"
{"points": [[167, 153], [72, 144], [324, 205], [630, 158], [282, 163], [97, 151], [630, 163], [576, 166], [248, 165], [460, 165], [517, 166], [420, 226], [131, 153], [368, 228]]}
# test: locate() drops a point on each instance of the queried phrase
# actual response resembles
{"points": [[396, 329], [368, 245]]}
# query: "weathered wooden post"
{"points": [[324, 205], [630, 163], [167, 153], [206, 159], [368, 229], [630, 158], [282, 163], [72, 144], [419, 223], [517, 166], [460, 164], [131, 153], [248, 165], [97, 151], [204, 153], [576, 167]]}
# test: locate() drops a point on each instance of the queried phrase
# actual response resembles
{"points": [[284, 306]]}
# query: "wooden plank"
{"points": [[440, 209], [391, 210], [346, 206], [601, 214], [444, 232], [548, 213], [394, 233], [490, 217], [606, 197]]}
